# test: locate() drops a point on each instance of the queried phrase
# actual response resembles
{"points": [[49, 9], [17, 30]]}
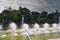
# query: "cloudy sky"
{"points": [[33, 5]]}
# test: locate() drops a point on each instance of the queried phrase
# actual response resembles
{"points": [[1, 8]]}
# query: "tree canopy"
{"points": [[30, 17]]}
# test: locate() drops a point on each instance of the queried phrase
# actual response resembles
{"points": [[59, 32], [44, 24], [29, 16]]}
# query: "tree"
{"points": [[27, 14]]}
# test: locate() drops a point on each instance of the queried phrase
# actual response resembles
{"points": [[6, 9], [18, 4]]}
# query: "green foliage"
{"points": [[10, 15]]}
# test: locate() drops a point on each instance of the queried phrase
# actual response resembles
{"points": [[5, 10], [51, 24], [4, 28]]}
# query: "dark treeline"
{"points": [[9, 15]]}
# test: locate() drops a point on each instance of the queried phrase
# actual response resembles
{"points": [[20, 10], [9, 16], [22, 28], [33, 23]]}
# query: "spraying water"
{"points": [[58, 28], [46, 25], [54, 25], [36, 26], [25, 26], [59, 25], [46, 28], [12, 26], [1, 27], [36, 29]]}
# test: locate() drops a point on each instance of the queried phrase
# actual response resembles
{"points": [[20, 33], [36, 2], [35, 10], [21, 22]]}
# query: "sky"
{"points": [[33, 5]]}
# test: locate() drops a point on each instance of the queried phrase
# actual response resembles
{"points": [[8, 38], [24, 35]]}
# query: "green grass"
{"points": [[33, 37], [46, 36], [9, 37]]}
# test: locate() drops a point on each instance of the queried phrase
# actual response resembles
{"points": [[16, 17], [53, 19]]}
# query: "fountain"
{"points": [[46, 28], [36, 29], [54, 26], [36, 26], [59, 24], [12, 26], [25, 27], [1, 27], [58, 28], [46, 25]]}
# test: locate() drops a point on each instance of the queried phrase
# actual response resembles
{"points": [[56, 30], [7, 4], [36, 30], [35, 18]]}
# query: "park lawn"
{"points": [[33, 37], [46, 36], [9, 37]]}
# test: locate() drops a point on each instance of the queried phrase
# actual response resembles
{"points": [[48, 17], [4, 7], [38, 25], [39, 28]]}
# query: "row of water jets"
{"points": [[13, 26], [25, 26]]}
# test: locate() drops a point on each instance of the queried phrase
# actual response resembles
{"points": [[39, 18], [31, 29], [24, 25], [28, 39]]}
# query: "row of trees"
{"points": [[9, 15]]}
